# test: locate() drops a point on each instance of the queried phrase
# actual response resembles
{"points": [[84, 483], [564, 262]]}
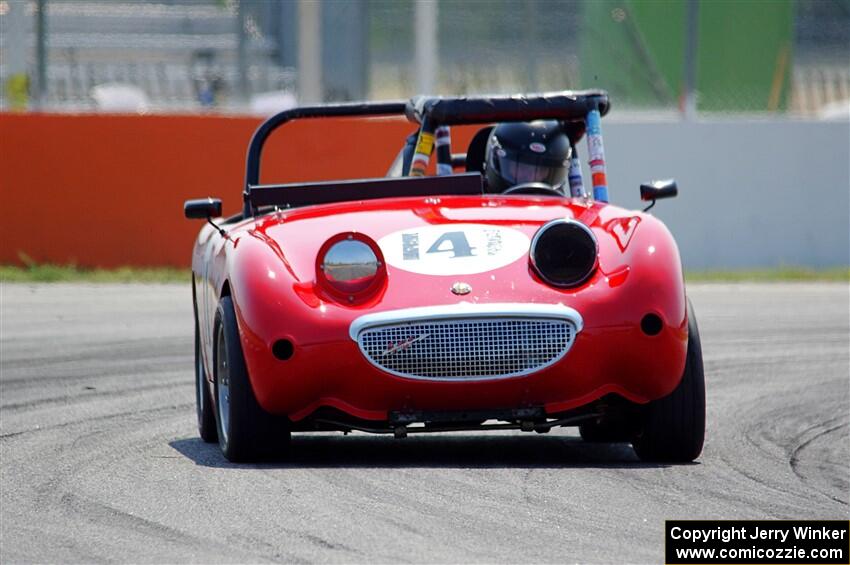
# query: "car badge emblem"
{"points": [[402, 345], [461, 288], [537, 147]]}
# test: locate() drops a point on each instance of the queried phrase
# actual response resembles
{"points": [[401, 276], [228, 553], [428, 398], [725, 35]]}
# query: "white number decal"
{"points": [[453, 249]]}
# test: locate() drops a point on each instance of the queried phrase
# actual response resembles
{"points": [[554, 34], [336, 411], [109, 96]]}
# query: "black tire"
{"points": [[246, 432], [674, 426], [606, 432], [203, 402]]}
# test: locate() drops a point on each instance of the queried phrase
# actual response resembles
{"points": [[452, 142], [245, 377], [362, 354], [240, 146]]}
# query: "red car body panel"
{"points": [[268, 265]]}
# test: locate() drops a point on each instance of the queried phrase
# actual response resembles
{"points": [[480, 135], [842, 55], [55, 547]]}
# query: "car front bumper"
{"points": [[602, 359]]}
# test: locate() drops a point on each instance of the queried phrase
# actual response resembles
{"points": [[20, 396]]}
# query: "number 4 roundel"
{"points": [[453, 249]]}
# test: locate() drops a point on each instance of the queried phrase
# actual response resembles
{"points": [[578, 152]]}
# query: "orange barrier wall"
{"points": [[108, 190]]}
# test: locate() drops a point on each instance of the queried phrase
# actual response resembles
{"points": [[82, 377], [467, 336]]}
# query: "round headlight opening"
{"points": [[349, 266], [564, 253]]}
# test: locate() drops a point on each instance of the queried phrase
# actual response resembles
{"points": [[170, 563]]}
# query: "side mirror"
{"points": [[202, 208], [656, 190]]}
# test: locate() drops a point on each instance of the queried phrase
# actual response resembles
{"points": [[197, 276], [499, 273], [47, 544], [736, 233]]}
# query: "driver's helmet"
{"points": [[523, 152]]}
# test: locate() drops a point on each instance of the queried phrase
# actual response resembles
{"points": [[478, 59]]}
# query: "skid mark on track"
{"points": [[262, 546], [104, 418], [105, 369], [98, 511], [772, 437], [804, 466], [89, 395], [113, 362], [108, 516]]}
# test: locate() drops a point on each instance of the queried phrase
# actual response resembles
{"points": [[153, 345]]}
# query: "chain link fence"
{"points": [[789, 57], [781, 56], [184, 55]]}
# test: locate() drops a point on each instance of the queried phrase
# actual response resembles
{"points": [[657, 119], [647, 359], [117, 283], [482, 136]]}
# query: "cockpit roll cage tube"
{"points": [[432, 113], [566, 105], [255, 148], [443, 149]]}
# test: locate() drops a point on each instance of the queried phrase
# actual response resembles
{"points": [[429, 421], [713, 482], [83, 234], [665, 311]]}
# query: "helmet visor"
{"points": [[520, 169]]}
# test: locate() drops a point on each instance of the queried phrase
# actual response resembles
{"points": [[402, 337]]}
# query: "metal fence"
{"points": [[783, 56], [180, 55]]}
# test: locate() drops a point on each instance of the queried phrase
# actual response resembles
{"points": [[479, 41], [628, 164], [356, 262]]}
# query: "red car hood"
{"points": [[431, 243]]}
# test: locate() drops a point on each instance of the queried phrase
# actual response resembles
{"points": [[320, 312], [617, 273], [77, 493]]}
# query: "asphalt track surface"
{"points": [[100, 459]]}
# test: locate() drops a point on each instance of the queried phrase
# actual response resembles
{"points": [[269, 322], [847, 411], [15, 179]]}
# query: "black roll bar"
{"points": [[431, 112], [255, 148]]}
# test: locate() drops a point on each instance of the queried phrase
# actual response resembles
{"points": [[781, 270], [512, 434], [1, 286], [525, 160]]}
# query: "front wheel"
{"points": [[674, 426], [246, 432]]}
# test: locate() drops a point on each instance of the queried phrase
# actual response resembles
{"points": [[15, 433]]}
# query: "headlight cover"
{"points": [[350, 266], [564, 253]]}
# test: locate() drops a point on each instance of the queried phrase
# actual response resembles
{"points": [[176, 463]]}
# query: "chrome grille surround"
{"points": [[467, 342]]}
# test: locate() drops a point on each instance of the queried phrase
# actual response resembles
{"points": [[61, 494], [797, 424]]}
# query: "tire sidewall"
{"points": [[665, 436], [200, 402], [252, 433], [219, 327], [203, 401]]}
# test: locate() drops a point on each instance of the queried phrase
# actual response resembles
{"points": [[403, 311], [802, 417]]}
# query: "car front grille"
{"points": [[467, 349]]}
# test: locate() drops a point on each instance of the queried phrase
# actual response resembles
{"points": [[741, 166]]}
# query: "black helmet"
{"points": [[521, 152]]}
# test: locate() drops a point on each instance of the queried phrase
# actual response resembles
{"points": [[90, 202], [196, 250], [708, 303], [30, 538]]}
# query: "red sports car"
{"points": [[414, 303]]}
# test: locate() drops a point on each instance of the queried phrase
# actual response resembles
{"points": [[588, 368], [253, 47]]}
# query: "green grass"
{"points": [[71, 273], [776, 274], [44, 272]]}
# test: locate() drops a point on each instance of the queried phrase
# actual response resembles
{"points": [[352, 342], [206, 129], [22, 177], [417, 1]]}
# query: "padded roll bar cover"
{"points": [[565, 105]]}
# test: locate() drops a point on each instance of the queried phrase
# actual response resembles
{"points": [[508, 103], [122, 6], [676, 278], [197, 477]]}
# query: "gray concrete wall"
{"points": [[751, 193]]}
